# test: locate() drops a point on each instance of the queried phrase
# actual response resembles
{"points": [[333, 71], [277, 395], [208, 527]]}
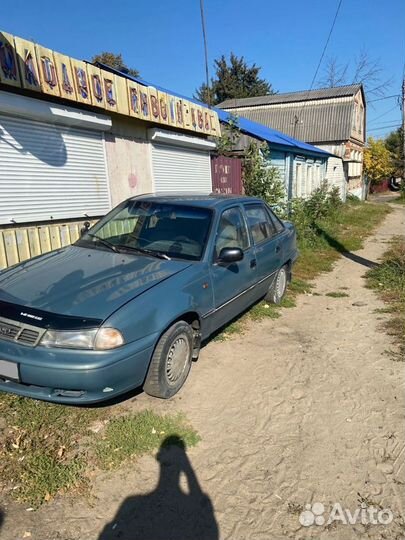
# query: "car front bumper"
{"points": [[76, 376]]}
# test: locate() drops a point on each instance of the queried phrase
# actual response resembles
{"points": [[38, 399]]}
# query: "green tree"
{"points": [[260, 179], [377, 161], [230, 136], [115, 61], [233, 79], [395, 145]]}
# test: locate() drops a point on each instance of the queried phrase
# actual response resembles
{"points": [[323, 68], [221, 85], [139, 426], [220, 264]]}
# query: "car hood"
{"points": [[83, 282]]}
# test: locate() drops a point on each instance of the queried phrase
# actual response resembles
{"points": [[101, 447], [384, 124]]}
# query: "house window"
{"points": [[317, 176], [310, 180], [298, 179]]}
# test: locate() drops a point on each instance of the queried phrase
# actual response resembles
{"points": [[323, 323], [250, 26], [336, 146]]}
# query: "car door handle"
{"points": [[278, 249], [253, 263]]}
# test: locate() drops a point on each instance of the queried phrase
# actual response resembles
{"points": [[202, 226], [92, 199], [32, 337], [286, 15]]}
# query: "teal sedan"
{"points": [[129, 304]]}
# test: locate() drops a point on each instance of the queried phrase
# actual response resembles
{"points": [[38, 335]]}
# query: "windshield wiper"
{"points": [[104, 242], [145, 251]]}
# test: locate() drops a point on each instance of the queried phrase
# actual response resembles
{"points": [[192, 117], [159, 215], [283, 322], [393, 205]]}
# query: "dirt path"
{"points": [[307, 408]]}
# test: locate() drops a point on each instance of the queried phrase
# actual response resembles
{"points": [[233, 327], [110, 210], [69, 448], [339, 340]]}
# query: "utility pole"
{"points": [[207, 80], [403, 126]]}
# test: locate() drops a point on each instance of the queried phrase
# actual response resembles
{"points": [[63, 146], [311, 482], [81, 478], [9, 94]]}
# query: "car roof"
{"points": [[193, 199]]}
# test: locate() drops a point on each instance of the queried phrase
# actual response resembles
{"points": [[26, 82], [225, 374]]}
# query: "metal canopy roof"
{"points": [[248, 127], [272, 136]]}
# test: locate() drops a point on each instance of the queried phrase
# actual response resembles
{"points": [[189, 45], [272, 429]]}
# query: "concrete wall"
{"points": [[129, 162]]}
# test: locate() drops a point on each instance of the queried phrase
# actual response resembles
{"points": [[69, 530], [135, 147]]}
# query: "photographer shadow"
{"points": [[169, 512]]}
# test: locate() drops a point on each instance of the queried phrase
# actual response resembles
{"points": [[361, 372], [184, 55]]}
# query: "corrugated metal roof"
{"points": [[272, 136], [317, 122], [293, 97], [247, 126]]}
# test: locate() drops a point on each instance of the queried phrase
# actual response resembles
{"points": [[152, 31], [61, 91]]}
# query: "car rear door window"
{"points": [[260, 225], [277, 223]]}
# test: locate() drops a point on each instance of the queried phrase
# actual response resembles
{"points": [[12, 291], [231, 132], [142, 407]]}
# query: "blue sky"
{"points": [[162, 39]]}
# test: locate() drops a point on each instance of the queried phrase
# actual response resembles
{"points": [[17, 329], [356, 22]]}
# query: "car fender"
{"points": [[157, 308]]}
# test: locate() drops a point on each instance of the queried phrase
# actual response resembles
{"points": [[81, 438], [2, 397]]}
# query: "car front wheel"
{"points": [[278, 288], [171, 361]]}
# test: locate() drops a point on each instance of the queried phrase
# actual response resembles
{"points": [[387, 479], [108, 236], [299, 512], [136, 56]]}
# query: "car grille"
{"points": [[20, 332]]}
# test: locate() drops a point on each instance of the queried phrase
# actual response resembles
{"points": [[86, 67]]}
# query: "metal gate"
{"points": [[226, 175]]}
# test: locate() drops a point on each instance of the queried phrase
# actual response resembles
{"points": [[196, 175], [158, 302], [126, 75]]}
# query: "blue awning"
{"points": [[259, 131], [272, 136]]}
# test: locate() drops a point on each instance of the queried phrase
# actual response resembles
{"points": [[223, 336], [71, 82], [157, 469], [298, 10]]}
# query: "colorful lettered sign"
{"points": [[34, 67], [187, 115], [133, 99], [179, 112], [154, 104], [47, 71], [65, 76], [144, 102], [163, 107], [9, 73], [110, 91], [122, 99], [95, 82], [81, 81], [171, 103], [27, 61]]}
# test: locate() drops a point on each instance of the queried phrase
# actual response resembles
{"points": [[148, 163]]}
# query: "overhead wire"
{"points": [[319, 64]]}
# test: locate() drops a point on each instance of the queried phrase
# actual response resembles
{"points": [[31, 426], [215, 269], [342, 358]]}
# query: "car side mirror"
{"points": [[230, 255], [85, 228]]}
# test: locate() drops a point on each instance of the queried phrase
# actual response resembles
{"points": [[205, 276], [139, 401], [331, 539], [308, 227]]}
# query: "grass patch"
{"points": [[336, 294], [388, 280], [341, 231], [45, 448], [299, 286], [130, 436], [39, 451]]}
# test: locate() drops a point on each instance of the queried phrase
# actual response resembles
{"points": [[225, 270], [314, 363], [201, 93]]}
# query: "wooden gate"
{"points": [[226, 175]]}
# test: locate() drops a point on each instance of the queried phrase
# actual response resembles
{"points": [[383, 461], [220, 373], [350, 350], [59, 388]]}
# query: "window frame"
{"points": [[276, 220], [244, 220], [116, 210], [268, 214]]}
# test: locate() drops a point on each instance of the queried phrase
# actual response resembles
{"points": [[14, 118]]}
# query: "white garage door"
{"points": [[50, 172], [177, 169]]}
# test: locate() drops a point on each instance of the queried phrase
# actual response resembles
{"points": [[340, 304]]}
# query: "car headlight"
{"points": [[96, 338]]}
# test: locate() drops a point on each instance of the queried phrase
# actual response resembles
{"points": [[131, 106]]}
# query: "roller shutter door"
{"points": [[177, 169], [50, 172]]}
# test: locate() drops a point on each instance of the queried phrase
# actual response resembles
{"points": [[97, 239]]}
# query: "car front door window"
{"points": [[232, 231]]}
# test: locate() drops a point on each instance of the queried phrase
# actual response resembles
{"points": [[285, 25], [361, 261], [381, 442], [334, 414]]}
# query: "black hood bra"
{"points": [[45, 319]]}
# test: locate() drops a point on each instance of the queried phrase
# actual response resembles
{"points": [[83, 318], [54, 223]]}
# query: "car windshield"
{"points": [[145, 227]]}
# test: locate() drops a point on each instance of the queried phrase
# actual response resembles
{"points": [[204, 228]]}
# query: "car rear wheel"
{"points": [[278, 288], [171, 361]]}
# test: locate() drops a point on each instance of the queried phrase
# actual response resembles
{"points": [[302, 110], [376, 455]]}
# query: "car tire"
{"points": [[171, 361], [278, 287]]}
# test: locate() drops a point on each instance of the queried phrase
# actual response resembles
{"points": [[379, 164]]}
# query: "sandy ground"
{"points": [[303, 409]]}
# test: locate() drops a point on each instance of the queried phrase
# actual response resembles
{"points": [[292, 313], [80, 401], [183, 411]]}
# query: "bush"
{"points": [[352, 199], [305, 213], [259, 178]]}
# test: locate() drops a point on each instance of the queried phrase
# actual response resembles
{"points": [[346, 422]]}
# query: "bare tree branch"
{"points": [[363, 69], [334, 74]]}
